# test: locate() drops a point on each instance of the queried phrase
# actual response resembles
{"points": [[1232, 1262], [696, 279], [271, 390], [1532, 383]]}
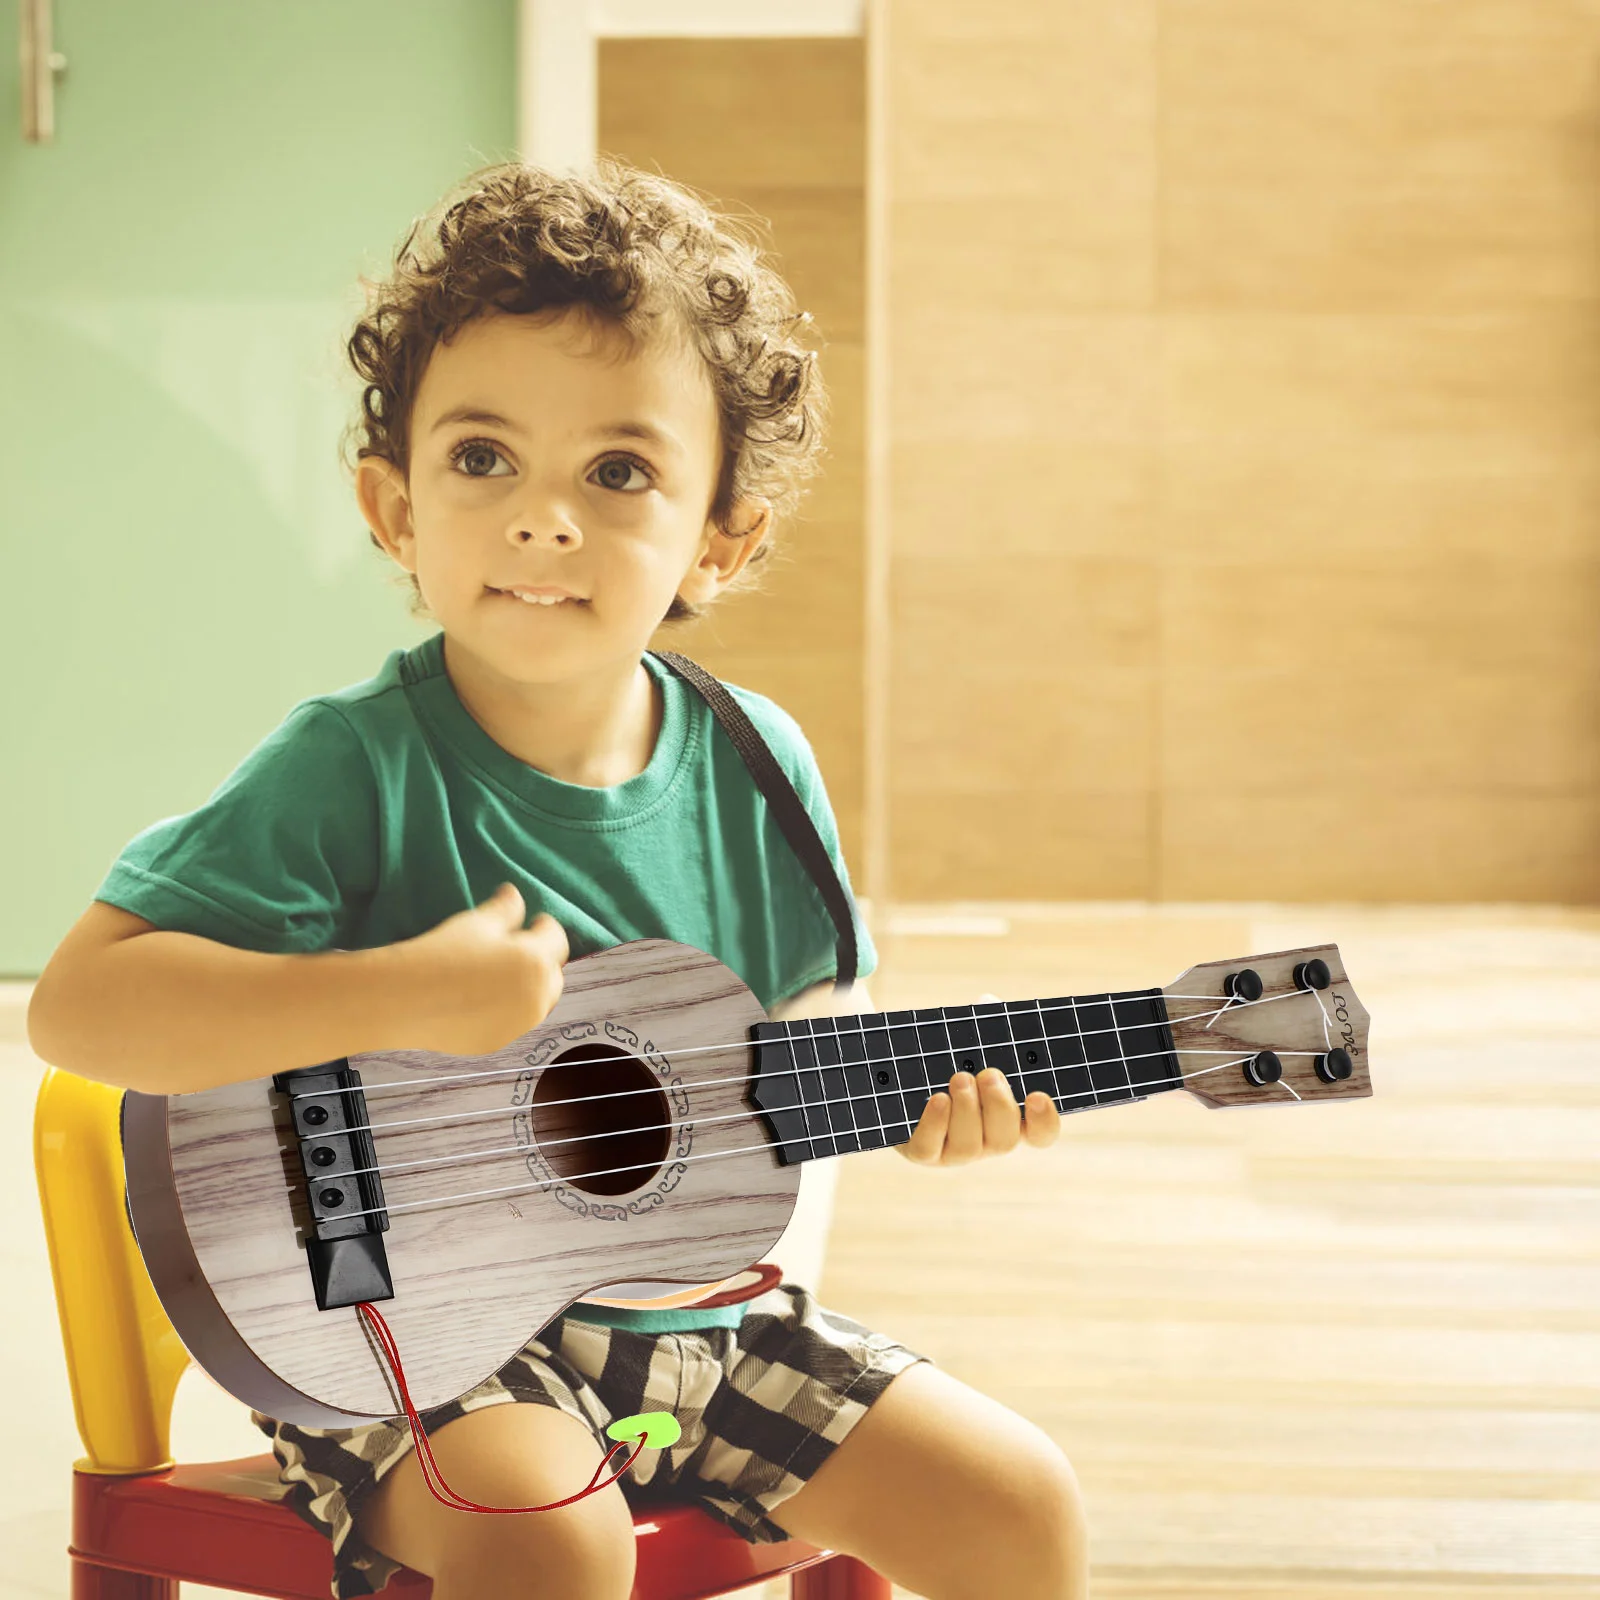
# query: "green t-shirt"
{"points": [[376, 811]]}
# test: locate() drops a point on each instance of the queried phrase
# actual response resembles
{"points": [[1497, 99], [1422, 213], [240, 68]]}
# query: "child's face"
{"points": [[554, 495]]}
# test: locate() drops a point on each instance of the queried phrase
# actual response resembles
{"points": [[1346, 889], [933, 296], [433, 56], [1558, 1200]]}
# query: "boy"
{"points": [[582, 411]]}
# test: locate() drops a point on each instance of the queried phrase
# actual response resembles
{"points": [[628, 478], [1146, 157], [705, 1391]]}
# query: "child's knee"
{"points": [[509, 1455], [584, 1551]]}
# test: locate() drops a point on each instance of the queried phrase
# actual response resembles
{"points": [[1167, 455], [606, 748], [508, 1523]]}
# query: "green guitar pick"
{"points": [[659, 1428]]}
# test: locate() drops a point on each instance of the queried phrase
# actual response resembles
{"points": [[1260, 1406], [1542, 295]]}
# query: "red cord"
{"points": [[430, 1467]]}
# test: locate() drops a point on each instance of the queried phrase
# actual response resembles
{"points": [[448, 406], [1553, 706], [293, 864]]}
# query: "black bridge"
{"points": [[342, 1194]]}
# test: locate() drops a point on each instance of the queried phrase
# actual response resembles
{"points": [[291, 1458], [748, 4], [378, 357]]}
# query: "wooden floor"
{"points": [[1306, 1353], [1295, 1351]]}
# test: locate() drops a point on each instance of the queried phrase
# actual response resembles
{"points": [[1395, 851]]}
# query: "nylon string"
{"points": [[705, 1083], [750, 1044], [804, 1108], [710, 1155]]}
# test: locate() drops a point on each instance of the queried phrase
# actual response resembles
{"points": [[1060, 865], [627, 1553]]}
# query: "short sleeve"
{"points": [[281, 858]]}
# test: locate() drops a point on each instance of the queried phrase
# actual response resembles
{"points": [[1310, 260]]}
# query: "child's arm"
{"points": [[166, 1012], [129, 1004]]}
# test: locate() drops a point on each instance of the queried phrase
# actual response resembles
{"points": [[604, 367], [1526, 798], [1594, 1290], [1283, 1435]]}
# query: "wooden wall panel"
{"points": [[1243, 398], [1372, 155], [1023, 420], [776, 127], [1379, 275]]}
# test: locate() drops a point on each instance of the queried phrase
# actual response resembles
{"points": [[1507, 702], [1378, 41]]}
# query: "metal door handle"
{"points": [[40, 64]]}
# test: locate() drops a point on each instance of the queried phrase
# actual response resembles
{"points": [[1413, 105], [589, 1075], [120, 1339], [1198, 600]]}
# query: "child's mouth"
{"points": [[546, 603]]}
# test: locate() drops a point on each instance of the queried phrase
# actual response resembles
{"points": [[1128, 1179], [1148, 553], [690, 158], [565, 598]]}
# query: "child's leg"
{"points": [[948, 1493], [516, 1454]]}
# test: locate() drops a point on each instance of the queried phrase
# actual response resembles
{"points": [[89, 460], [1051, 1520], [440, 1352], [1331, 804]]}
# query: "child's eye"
{"points": [[478, 448], [632, 462]]}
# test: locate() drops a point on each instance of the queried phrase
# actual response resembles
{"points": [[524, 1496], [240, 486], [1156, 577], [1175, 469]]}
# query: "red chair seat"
{"points": [[223, 1523]]}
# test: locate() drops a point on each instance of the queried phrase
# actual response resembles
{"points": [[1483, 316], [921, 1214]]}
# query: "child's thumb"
{"points": [[507, 900], [548, 932]]}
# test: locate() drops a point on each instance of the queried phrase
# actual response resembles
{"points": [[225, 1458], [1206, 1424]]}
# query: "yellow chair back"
{"points": [[123, 1357]]}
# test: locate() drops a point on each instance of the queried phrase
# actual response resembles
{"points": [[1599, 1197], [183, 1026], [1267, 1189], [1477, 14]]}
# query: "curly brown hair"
{"points": [[644, 255]]}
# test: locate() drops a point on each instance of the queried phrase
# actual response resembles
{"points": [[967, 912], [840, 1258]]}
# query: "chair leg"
{"points": [[91, 1582], [842, 1578]]}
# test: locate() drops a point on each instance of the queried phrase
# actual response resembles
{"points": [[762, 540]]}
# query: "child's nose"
{"points": [[540, 530]]}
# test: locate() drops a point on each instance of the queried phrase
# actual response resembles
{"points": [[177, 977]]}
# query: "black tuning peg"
{"points": [[1263, 1069], [1312, 974], [1335, 1066], [1243, 985]]}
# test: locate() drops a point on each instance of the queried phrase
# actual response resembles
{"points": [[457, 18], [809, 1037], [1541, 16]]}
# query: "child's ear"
{"points": [[722, 555], [385, 505]]}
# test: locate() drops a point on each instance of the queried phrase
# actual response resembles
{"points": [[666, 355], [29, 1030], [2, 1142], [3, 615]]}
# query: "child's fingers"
{"points": [[1002, 1116], [926, 1144], [976, 1117], [1041, 1120], [963, 1140]]}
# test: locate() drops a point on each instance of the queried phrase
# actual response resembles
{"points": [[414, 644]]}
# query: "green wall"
{"points": [[181, 557]]}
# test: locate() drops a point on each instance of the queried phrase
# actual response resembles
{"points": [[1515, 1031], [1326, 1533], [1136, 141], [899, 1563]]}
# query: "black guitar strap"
{"points": [[787, 806]]}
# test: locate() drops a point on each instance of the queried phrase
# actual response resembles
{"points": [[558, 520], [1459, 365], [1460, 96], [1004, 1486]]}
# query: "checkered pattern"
{"points": [[760, 1406]]}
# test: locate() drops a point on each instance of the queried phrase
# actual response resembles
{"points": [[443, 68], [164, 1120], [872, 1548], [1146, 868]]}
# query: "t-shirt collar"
{"points": [[428, 684]]}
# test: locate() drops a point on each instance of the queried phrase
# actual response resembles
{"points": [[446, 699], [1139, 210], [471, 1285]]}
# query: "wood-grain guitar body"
{"points": [[214, 1190]]}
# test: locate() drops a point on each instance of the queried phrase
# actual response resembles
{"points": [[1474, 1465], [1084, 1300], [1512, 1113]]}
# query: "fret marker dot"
{"points": [[1033, 1055]]}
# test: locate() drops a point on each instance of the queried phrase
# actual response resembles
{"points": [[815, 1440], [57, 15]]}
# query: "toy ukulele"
{"points": [[647, 1138]]}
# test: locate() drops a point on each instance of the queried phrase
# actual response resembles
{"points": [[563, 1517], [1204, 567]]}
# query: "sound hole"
{"points": [[584, 1137]]}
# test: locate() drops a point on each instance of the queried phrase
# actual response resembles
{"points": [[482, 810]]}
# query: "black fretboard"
{"points": [[830, 1085]]}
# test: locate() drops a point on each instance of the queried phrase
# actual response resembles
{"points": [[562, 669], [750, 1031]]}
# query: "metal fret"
{"points": [[841, 1100], [1063, 1040], [822, 1119], [858, 1072], [1146, 1041], [1088, 1060], [994, 1035], [1122, 1054], [963, 1033], [1033, 1067], [908, 1071]]}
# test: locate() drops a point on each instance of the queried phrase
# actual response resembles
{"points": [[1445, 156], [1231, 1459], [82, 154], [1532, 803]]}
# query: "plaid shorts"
{"points": [[760, 1406]]}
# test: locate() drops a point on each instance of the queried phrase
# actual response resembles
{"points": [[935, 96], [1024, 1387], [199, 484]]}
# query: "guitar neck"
{"points": [[832, 1085]]}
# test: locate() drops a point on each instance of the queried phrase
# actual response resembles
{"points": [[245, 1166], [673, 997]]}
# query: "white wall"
{"points": [[557, 87]]}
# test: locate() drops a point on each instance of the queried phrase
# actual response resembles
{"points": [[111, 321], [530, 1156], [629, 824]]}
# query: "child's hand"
{"points": [[480, 979], [977, 1119]]}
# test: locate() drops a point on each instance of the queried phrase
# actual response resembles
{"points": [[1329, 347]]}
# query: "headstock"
{"points": [[1233, 1033]]}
